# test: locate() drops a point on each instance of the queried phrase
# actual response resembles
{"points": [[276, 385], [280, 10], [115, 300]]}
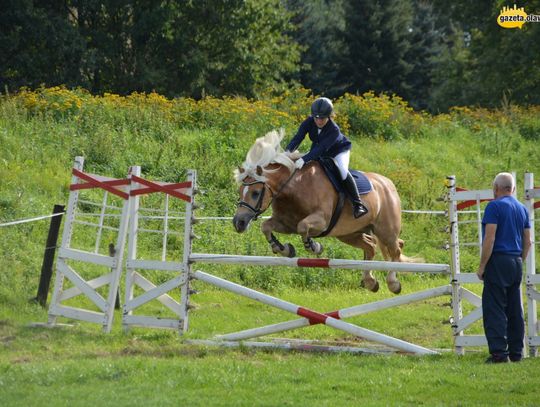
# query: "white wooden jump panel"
{"points": [[69, 258]]}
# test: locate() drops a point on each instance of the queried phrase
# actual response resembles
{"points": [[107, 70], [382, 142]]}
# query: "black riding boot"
{"points": [[359, 209]]}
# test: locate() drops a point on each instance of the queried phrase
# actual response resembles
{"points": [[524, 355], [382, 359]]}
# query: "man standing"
{"points": [[506, 242]]}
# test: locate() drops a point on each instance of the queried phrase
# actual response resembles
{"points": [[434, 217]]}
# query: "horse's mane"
{"points": [[266, 150]]}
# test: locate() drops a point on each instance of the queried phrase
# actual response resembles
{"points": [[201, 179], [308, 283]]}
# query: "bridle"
{"points": [[257, 209]]}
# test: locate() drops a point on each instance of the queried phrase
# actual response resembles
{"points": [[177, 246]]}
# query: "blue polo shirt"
{"points": [[511, 218]]}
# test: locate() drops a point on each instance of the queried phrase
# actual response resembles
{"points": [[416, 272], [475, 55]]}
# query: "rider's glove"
{"points": [[299, 163]]}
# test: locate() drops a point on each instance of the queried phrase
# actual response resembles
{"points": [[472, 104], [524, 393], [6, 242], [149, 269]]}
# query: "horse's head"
{"points": [[254, 198], [257, 178]]}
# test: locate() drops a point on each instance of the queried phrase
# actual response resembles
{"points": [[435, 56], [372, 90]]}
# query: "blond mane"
{"points": [[266, 150]]}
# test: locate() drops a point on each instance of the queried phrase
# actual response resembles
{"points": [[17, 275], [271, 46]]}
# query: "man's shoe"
{"points": [[515, 358], [497, 359]]}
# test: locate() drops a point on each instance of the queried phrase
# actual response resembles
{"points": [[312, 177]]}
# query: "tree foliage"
{"points": [[178, 47], [433, 53]]}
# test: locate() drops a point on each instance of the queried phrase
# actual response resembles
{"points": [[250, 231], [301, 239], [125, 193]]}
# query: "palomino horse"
{"points": [[303, 202]]}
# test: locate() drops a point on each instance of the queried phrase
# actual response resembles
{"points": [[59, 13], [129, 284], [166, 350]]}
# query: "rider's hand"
{"points": [[299, 163]]}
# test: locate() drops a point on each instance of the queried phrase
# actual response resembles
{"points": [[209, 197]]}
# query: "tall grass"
{"points": [[41, 131]]}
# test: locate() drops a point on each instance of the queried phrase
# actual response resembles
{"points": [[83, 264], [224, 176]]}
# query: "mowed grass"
{"points": [[80, 365]]}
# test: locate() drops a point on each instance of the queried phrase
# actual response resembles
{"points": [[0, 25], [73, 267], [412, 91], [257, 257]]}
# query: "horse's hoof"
{"points": [[395, 287], [319, 249], [374, 289], [290, 250]]}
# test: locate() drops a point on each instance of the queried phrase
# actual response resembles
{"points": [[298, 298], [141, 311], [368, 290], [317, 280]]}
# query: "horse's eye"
{"points": [[255, 194]]}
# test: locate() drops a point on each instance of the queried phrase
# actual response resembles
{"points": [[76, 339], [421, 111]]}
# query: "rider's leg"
{"points": [[342, 161]]}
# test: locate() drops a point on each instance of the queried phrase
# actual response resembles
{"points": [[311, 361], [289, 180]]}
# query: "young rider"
{"points": [[328, 141]]}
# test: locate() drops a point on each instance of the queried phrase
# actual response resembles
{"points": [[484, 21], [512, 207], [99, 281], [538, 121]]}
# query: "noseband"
{"points": [[257, 209]]}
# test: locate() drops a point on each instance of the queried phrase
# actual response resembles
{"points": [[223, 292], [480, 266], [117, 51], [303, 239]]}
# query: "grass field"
{"points": [[42, 131], [81, 366]]}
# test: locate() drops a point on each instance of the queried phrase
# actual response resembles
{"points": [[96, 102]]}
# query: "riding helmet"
{"points": [[322, 108]]}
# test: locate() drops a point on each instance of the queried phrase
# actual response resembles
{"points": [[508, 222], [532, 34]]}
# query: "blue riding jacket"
{"points": [[329, 143]]}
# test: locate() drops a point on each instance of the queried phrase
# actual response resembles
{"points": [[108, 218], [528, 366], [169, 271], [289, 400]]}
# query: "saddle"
{"points": [[332, 172]]}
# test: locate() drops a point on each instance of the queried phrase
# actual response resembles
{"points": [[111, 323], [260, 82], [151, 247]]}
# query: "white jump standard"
{"points": [[531, 278]]}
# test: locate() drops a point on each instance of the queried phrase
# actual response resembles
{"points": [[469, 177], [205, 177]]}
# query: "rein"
{"points": [[257, 209]]}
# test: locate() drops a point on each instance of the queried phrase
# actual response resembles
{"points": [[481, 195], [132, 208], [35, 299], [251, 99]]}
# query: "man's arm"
{"points": [[487, 248], [526, 243]]}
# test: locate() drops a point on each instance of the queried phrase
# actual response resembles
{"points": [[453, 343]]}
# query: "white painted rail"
{"points": [[320, 263]]}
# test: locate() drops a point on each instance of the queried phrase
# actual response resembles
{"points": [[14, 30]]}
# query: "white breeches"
{"points": [[342, 162]]}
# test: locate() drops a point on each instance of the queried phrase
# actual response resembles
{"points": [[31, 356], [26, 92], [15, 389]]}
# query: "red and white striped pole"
{"points": [[340, 314], [314, 316], [320, 263]]}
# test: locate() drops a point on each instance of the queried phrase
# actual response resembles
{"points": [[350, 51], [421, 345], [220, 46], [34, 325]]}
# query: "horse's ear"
{"points": [[259, 170], [241, 170]]}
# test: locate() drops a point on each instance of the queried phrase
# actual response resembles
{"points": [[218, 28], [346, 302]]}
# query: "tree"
{"points": [[320, 26], [38, 44], [378, 38], [175, 47]]}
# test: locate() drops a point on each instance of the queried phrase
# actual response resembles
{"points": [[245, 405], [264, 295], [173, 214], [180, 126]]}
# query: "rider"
{"points": [[328, 141]]}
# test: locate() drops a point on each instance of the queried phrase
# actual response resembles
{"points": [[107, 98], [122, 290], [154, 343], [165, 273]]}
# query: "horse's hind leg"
{"points": [[367, 243], [392, 252]]}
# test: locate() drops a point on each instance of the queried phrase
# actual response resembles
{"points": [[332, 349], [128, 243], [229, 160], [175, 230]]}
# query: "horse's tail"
{"points": [[406, 259]]}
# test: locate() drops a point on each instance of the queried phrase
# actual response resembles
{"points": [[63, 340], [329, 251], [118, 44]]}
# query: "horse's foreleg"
{"points": [[312, 225], [286, 250]]}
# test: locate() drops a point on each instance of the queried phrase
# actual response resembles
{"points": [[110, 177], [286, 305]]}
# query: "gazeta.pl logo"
{"points": [[515, 17]]}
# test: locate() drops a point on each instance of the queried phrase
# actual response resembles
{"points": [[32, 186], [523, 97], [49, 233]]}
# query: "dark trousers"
{"points": [[502, 306]]}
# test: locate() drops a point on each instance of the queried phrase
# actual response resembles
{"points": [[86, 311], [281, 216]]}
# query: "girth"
{"points": [[335, 215]]}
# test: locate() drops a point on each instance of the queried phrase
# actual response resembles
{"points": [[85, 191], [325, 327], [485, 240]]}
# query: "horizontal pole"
{"points": [[151, 322], [320, 263], [87, 257], [533, 278], [155, 265], [327, 320], [77, 313], [472, 195], [470, 340], [467, 278], [534, 340], [343, 313]]}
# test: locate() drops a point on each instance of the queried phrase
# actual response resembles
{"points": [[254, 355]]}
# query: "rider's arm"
{"points": [[327, 138], [300, 135]]}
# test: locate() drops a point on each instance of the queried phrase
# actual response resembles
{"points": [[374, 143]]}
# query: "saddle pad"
{"points": [[330, 168]]}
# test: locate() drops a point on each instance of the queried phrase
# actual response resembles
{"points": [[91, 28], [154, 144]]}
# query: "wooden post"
{"points": [[48, 257]]}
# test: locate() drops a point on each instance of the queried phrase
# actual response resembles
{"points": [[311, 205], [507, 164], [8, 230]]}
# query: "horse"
{"points": [[303, 202]]}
